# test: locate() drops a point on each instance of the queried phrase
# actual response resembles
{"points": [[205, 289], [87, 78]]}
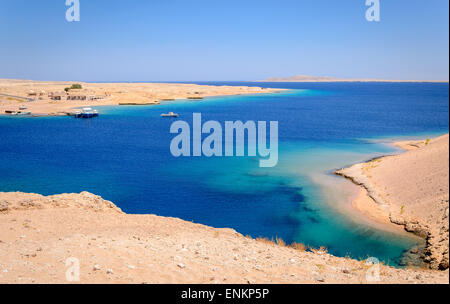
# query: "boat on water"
{"points": [[170, 114], [17, 113], [23, 113], [85, 113]]}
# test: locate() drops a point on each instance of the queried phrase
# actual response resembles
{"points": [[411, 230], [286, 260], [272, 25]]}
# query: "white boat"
{"points": [[86, 113], [170, 114], [23, 113]]}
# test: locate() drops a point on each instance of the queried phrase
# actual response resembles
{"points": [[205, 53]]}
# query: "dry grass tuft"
{"points": [[298, 246], [280, 242], [265, 240]]}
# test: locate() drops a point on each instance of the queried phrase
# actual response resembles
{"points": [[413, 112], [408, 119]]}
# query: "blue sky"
{"points": [[172, 40]]}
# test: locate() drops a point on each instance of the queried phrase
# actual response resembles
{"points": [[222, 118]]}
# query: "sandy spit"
{"points": [[410, 189]]}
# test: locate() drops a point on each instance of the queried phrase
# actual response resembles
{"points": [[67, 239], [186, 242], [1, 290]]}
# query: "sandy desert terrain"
{"points": [[50, 98], [38, 235]]}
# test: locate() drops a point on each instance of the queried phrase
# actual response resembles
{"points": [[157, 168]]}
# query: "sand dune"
{"points": [[411, 189]]}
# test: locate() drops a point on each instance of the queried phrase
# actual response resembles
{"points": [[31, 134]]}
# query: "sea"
{"points": [[124, 156]]}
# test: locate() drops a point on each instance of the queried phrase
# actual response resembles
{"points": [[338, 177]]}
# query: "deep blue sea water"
{"points": [[124, 156]]}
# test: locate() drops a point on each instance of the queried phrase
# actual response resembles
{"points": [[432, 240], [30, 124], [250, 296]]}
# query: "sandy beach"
{"points": [[50, 98], [39, 235], [410, 189]]}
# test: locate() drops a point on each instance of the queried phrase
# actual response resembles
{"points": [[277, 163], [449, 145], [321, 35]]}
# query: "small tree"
{"points": [[76, 86]]}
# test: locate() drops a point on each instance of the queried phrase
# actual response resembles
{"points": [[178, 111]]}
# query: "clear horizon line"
{"points": [[256, 81]]}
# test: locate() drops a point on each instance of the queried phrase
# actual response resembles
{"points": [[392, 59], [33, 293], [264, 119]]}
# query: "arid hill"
{"points": [[40, 234]]}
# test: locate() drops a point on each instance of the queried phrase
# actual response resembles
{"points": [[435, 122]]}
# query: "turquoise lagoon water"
{"points": [[124, 156]]}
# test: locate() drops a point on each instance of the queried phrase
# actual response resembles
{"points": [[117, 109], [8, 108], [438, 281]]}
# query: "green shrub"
{"points": [[75, 86]]}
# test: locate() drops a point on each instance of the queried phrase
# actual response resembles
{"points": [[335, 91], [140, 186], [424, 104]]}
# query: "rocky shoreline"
{"points": [[432, 226]]}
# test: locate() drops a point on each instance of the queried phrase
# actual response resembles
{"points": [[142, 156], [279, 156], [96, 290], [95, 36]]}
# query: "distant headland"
{"points": [[307, 78]]}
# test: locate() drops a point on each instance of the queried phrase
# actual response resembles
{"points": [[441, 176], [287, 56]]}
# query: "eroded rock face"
{"points": [[439, 244]]}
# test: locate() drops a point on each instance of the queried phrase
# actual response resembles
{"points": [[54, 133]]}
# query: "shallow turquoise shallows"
{"points": [[124, 156]]}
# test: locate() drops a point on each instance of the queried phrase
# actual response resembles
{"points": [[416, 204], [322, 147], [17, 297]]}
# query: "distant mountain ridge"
{"points": [[307, 78]]}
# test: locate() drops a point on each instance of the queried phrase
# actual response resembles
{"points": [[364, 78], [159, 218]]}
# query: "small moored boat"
{"points": [[23, 113], [170, 114], [86, 113]]}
